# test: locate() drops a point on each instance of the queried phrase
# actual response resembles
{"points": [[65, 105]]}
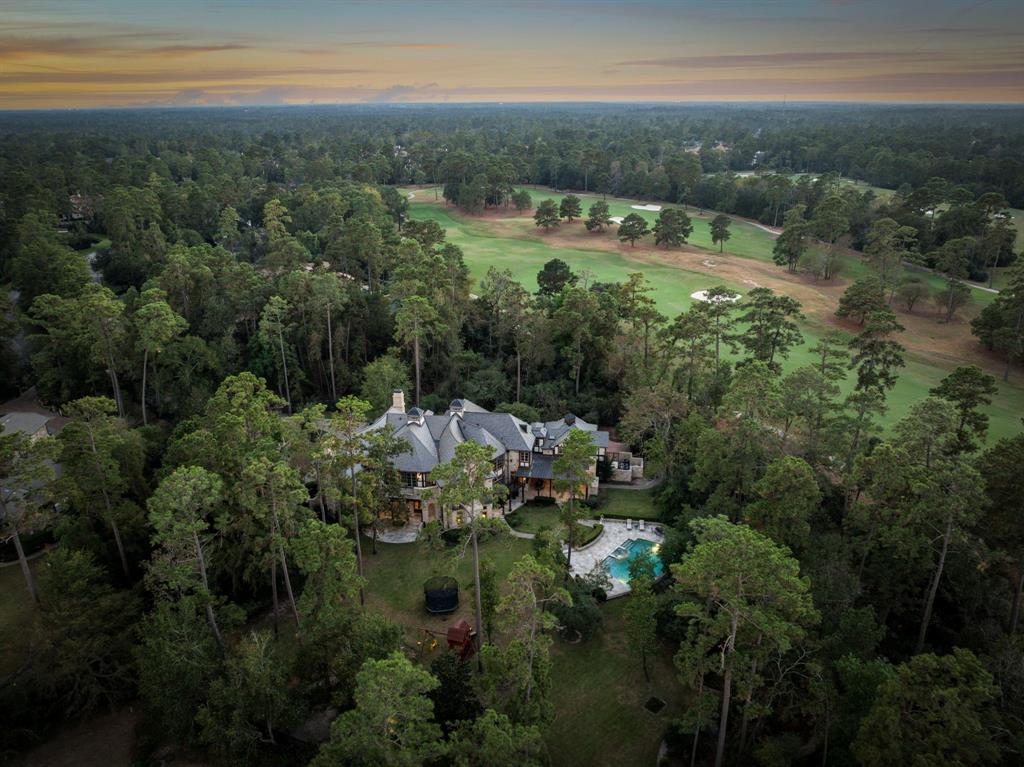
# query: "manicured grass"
{"points": [[637, 504], [395, 577], [599, 690], [523, 251], [598, 687], [532, 519], [17, 617]]}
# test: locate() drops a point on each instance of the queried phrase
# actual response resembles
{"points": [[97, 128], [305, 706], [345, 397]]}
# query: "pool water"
{"points": [[617, 563]]}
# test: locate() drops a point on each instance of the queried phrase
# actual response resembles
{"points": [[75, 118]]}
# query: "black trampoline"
{"points": [[441, 594]]}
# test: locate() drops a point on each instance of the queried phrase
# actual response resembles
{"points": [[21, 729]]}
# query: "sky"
{"points": [[120, 53]]}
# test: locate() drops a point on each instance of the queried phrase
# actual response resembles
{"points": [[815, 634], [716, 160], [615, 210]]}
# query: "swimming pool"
{"points": [[617, 563]]}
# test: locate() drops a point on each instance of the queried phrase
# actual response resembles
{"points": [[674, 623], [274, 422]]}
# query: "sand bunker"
{"points": [[652, 208], [616, 219], [702, 295], [411, 195]]}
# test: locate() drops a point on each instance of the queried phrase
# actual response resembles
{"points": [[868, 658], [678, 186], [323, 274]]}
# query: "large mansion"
{"points": [[523, 453]]}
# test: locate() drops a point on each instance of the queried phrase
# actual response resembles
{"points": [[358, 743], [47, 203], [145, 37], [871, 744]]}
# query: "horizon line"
{"points": [[406, 104]]}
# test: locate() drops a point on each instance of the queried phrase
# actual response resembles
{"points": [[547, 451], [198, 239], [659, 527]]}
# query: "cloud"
{"points": [[14, 47], [401, 93], [779, 60], [159, 76]]}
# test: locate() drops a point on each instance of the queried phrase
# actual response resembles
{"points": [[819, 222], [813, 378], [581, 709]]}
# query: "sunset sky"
{"points": [[94, 53]]}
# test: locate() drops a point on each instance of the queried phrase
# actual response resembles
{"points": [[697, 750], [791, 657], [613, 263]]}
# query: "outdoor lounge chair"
{"points": [[641, 524], [629, 524]]}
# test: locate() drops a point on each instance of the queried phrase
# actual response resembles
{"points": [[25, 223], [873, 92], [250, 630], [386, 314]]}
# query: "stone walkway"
{"points": [[405, 534], [615, 534]]}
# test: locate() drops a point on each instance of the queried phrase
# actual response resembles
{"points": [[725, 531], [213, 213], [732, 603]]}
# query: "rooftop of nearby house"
{"points": [[432, 437], [24, 423]]}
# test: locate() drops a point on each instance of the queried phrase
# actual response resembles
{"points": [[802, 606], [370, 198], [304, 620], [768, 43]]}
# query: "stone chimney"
{"points": [[397, 401]]}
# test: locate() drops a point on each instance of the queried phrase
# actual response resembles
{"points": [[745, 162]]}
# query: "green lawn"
{"points": [[534, 518], [637, 504], [395, 577], [526, 252], [599, 690], [17, 616], [598, 687]]}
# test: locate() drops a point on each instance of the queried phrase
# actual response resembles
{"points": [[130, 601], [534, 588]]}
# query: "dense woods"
{"points": [[218, 301]]}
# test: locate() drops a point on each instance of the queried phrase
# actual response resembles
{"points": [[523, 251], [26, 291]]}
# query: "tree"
{"points": [[329, 297], [792, 243], [554, 276], [754, 392], [519, 672], [747, 603], [43, 264], [416, 321], [347, 444], [913, 723], [633, 227], [494, 740], [455, 699], [522, 200], [875, 356], [92, 321], [26, 491], [1000, 326], [465, 482], [641, 612], [598, 217], [250, 702], [571, 470], [1004, 511], [788, 495], [968, 388], [178, 659], [719, 306], [392, 722], [547, 214], [579, 318], [886, 248], [94, 448], [953, 259], [83, 640], [911, 291], [865, 296], [771, 328], [719, 226], [178, 512], [570, 208], [384, 375], [273, 326], [830, 222], [329, 600], [156, 325], [273, 497], [672, 228]]}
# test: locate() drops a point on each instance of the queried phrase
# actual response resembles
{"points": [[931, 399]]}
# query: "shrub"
{"points": [[453, 535], [587, 533]]}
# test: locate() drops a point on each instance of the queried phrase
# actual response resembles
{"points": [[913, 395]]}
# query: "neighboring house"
{"points": [[523, 453], [32, 424]]}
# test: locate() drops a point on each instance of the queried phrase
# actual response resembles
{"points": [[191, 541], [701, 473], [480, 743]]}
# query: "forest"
{"points": [[215, 302]]}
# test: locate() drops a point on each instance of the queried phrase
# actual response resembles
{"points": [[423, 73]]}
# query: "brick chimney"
{"points": [[397, 401]]}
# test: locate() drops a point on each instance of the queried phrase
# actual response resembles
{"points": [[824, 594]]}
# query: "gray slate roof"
{"points": [[26, 423], [433, 438]]}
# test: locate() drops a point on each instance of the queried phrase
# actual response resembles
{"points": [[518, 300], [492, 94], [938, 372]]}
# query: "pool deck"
{"points": [[615, 534]]}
